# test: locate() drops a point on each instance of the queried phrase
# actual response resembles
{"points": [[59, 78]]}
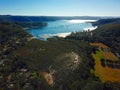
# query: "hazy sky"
{"points": [[60, 7]]}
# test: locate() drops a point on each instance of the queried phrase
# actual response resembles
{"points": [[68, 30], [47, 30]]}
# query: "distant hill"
{"points": [[43, 18], [108, 30], [107, 21], [110, 35]]}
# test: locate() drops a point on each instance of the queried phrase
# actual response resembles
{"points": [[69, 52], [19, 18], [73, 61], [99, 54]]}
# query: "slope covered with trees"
{"points": [[107, 21], [22, 60], [109, 34], [68, 62]]}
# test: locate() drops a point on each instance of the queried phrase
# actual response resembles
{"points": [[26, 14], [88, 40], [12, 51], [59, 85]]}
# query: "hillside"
{"points": [[106, 50], [109, 34], [107, 21], [27, 63]]}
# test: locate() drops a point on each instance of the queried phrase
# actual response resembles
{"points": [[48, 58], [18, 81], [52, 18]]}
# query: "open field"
{"points": [[104, 72], [109, 56]]}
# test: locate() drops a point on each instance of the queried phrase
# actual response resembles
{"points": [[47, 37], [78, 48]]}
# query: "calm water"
{"points": [[60, 28]]}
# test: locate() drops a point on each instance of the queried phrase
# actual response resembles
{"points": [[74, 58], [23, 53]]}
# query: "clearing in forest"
{"points": [[107, 65]]}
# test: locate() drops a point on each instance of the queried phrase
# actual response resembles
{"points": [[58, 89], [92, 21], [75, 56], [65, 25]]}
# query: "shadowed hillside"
{"points": [[107, 21]]}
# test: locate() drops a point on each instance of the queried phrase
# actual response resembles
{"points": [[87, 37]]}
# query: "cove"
{"points": [[61, 28]]}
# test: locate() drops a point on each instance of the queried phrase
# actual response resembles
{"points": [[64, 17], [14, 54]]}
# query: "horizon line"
{"points": [[60, 16]]}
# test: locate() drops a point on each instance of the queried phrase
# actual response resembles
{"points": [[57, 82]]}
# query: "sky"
{"points": [[60, 7]]}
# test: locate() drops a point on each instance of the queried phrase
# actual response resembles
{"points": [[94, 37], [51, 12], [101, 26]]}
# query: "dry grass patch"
{"points": [[109, 56], [106, 73]]}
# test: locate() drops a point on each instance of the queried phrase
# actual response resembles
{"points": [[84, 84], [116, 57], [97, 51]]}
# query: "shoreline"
{"points": [[65, 34]]}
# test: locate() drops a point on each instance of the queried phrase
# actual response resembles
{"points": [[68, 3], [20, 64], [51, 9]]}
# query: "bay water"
{"points": [[61, 28]]}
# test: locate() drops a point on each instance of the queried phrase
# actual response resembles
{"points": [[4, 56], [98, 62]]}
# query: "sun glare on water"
{"points": [[81, 21]]}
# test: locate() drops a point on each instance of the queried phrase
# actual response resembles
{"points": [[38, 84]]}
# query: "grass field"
{"points": [[109, 56], [106, 73]]}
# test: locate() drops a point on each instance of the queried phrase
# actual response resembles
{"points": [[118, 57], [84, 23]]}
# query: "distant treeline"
{"points": [[43, 18], [107, 21], [27, 25]]}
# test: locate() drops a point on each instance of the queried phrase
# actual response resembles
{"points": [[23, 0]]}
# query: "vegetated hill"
{"points": [[23, 60], [107, 21], [108, 34], [30, 25], [108, 30], [68, 61], [26, 25], [10, 18], [10, 30]]}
